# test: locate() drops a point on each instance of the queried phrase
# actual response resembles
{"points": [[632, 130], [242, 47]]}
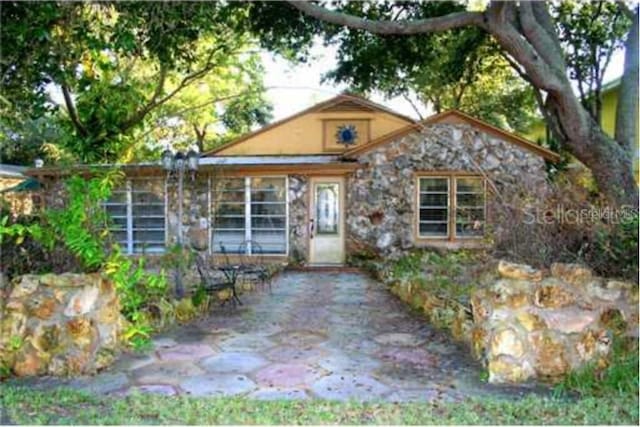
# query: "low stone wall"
{"points": [[59, 324], [443, 313], [532, 324], [535, 324]]}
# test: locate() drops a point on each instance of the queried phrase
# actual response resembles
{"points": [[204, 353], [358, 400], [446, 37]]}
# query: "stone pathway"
{"points": [[318, 335]]}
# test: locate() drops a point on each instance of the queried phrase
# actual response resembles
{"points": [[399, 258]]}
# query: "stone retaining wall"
{"points": [[64, 324], [530, 324]]}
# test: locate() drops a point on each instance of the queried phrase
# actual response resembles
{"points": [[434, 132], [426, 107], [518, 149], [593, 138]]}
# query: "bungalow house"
{"points": [[342, 177]]}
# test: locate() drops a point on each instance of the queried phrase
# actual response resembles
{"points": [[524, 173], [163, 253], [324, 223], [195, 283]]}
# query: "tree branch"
{"points": [[536, 92], [413, 105], [627, 110], [71, 110], [430, 25], [156, 101], [544, 45]]}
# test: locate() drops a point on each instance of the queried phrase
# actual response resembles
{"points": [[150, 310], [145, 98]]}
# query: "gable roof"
{"points": [[345, 101], [457, 117]]}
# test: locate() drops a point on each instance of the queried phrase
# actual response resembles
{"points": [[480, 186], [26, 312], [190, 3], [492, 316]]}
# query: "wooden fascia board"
{"points": [[336, 168], [437, 118]]}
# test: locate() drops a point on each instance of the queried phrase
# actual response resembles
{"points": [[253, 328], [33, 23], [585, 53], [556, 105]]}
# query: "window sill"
{"points": [[452, 244]]}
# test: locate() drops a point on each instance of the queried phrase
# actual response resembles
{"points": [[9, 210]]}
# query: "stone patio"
{"points": [[332, 336]]}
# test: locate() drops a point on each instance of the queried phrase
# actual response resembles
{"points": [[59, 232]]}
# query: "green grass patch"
{"points": [[618, 378], [63, 406]]}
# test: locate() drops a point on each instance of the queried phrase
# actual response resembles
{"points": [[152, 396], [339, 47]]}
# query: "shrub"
{"points": [[615, 248], [570, 225], [78, 233]]}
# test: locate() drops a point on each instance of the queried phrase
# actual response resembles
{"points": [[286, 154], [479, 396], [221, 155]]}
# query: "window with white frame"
{"points": [[446, 202], [251, 209], [137, 212]]}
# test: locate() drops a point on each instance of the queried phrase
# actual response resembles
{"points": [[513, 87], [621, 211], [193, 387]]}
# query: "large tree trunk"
{"points": [[627, 109]]}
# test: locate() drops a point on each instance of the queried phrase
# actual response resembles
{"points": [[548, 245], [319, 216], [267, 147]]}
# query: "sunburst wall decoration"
{"points": [[346, 135]]}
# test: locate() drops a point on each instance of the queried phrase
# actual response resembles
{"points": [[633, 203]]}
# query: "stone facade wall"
{"points": [[298, 219], [195, 212], [530, 324], [381, 203], [59, 324]]}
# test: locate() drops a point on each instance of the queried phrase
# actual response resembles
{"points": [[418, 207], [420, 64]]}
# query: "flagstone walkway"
{"points": [[318, 335]]}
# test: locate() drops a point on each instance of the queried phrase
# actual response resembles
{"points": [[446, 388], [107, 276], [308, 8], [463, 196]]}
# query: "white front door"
{"points": [[327, 221]]}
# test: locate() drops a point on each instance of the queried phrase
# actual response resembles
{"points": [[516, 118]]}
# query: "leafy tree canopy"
{"points": [[123, 68]]}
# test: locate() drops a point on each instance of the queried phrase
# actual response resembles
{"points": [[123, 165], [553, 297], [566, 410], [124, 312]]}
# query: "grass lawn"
{"points": [[21, 405]]}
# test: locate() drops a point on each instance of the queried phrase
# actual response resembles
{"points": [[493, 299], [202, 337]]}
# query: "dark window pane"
{"points": [[117, 210], [268, 222], [469, 214], [120, 236], [268, 209], [469, 185], [228, 222], [434, 184], [267, 196], [433, 215], [142, 236], [433, 199], [118, 197], [433, 230], [153, 222], [470, 200], [230, 209]]}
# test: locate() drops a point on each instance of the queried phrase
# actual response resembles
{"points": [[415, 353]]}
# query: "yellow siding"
{"points": [[609, 104], [304, 134], [608, 122]]}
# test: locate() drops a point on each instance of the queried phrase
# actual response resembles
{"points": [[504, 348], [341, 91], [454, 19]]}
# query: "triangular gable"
{"points": [[456, 117], [341, 103]]}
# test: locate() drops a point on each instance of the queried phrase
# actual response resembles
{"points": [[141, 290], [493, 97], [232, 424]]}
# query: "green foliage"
{"points": [[81, 227], [450, 275], [615, 251], [618, 379], [199, 297], [119, 71], [28, 405], [135, 286], [82, 223], [591, 32], [15, 343]]}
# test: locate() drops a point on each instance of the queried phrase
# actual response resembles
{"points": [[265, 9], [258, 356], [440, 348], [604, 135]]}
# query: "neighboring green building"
{"points": [[539, 133]]}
